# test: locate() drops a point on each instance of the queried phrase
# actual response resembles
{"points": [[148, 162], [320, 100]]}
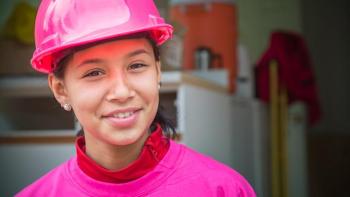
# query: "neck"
{"points": [[113, 157]]}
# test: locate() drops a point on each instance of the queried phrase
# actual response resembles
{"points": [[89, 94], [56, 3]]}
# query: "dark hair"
{"points": [[59, 69]]}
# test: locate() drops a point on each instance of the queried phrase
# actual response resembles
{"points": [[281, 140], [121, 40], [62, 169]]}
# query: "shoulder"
{"points": [[212, 173], [46, 184]]}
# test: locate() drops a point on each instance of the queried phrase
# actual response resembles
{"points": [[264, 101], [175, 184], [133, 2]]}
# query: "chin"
{"points": [[126, 138]]}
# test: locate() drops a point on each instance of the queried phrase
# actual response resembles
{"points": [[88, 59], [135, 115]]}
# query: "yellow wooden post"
{"points": [[279, 128], [283, 140], [274, 125]]}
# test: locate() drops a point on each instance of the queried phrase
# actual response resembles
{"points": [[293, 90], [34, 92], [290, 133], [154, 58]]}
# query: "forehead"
{"points": [[115, 48]]}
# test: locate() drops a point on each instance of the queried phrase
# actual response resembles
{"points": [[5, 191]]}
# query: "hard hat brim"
{"points": [[43, 60]]}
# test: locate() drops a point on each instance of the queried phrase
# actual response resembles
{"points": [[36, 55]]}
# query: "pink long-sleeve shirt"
{"points": [[182, 172]]}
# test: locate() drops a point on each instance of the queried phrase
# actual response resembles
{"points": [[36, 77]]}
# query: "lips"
{"points": [[123, 118]]}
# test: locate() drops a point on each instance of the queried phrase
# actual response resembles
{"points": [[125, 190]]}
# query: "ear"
{"points": [[58, 89]]}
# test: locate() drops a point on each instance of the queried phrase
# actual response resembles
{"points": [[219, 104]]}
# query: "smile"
{"points": [[123, 118], [123, 115]]}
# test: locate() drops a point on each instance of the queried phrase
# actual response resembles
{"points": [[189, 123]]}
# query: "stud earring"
{"points": [[67, 107]]}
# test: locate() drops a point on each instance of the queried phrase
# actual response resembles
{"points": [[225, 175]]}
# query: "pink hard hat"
{"points": [[63, 24]]}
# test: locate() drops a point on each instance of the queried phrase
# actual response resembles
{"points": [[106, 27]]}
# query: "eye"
{"points": [[94, 73], [136, 66]]}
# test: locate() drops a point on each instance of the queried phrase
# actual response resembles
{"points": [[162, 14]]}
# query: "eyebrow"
{"points": [[91, 61], [137, 52], [97, 60]]}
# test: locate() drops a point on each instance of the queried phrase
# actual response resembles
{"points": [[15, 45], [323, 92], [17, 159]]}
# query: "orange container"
{"points": [[212, 25]]}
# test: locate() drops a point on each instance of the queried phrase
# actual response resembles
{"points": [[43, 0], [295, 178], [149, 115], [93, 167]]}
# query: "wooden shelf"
{"points": [[38, 137], [24, 86]]}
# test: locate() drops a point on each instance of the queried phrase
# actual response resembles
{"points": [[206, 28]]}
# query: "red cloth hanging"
{"points": [[294, 72]]}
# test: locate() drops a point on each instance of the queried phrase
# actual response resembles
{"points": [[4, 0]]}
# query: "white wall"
{"points": [[257, 19]]}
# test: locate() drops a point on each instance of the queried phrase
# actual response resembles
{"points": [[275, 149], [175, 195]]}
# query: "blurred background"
{"points": [[258, 85]]}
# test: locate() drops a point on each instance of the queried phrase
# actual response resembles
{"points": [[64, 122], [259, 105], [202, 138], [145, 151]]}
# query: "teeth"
{"points": [[123, 115]]}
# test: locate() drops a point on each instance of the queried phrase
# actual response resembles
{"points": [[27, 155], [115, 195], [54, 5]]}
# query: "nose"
{"points": [[119, 88]]}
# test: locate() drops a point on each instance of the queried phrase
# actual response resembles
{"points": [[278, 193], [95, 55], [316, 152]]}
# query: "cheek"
{"points": [[147, 87], [85, 98]]}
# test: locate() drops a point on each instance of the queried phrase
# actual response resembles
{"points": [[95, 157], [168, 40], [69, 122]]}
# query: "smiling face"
{"points": [[113, 90]]}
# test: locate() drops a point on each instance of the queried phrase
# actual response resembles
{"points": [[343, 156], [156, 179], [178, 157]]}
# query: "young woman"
{"points": [[102, 61]]}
